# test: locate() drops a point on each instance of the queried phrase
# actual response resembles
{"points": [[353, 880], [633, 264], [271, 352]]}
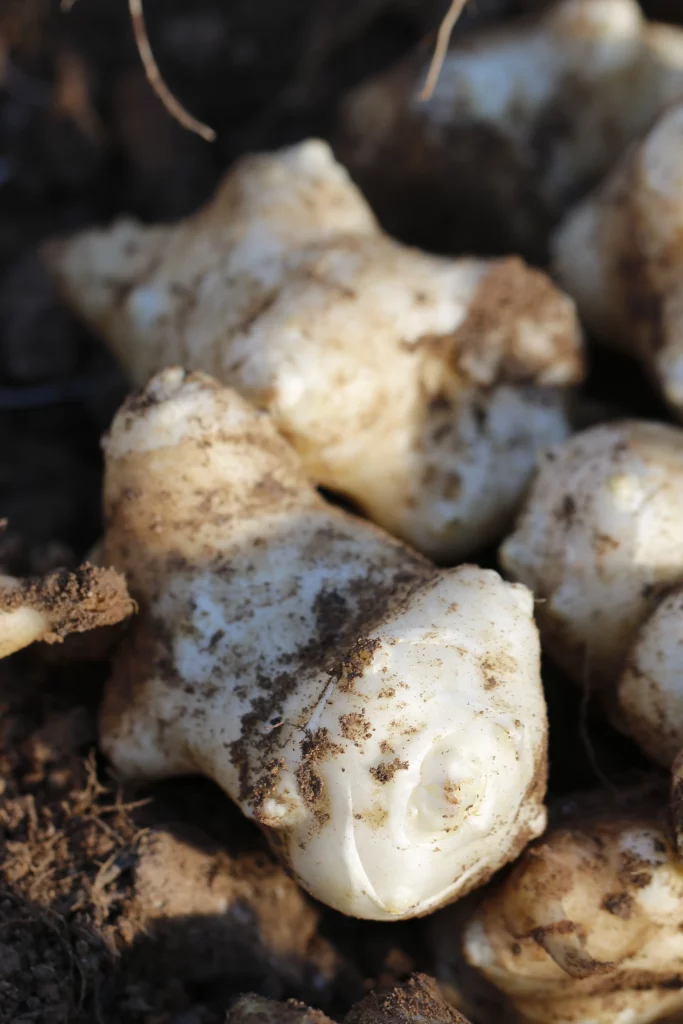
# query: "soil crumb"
{"points": [[72, 602]]}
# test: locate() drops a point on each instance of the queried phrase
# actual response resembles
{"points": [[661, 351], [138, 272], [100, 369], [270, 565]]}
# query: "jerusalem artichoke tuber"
{"points": [[420, 387], [383, 721], [600, 535], [619, 254], [525, 118], [587, 926]]}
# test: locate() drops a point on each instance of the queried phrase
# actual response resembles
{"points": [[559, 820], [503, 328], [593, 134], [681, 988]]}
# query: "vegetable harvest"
{"points": [[587, 925], [382, 721], [418, 386], [599, 539], [364, 454]]}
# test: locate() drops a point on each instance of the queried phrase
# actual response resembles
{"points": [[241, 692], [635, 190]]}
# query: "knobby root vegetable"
{"points": [[600, 536], [620, 254], [587, 926], [59, 604], [419, 387], [523, 120], [381, 720], [650, 694], [418, 1001]]}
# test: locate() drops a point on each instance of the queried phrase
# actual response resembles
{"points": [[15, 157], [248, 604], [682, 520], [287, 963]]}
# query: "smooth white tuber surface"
{"points": [[383, 721], [524, 119], [420, 387], [650, 693], [600, 535], [620, 255], [586, 928]]}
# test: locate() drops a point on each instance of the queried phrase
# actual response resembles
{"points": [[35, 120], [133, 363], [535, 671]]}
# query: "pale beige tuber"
{"points": [[525, 118], [381, 720], [62, 603], [586, 928], [620, 254], [419, 387], [650, 693], [599, 538]]}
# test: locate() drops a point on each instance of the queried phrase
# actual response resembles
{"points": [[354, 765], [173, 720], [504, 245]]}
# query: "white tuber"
{"points": [[61, 603], [586, 928], [383, 721], [619, 254], [420, 387], [524, 119], [650, 693], [600, 535]]}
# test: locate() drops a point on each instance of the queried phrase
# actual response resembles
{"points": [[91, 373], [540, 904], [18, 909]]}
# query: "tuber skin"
{"points": [[600, 537], [587, 925], [419, 387], [650, 692], [619, 254], [57, 605], [382, 721], [525, 118]]}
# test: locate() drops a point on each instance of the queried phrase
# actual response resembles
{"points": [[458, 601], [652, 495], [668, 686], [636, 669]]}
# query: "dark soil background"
{"points": [[160, 911]]}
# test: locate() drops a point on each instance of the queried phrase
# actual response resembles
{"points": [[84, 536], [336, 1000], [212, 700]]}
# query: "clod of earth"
{"points": [[421, 388], [587, 925], [524, 119], [620, 254], [418, 1001], [383, 721], [598, 541], [54, 606]]}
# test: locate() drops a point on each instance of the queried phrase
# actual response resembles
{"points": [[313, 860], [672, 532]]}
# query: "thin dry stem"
{"points": [[441, 49], [174, 107]]}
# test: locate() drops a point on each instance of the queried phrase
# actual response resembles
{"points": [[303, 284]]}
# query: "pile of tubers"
{"points": [[367, 695]]}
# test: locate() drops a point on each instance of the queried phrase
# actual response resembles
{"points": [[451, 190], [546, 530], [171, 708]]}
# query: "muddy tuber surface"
{"points": [[161, 904]]}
